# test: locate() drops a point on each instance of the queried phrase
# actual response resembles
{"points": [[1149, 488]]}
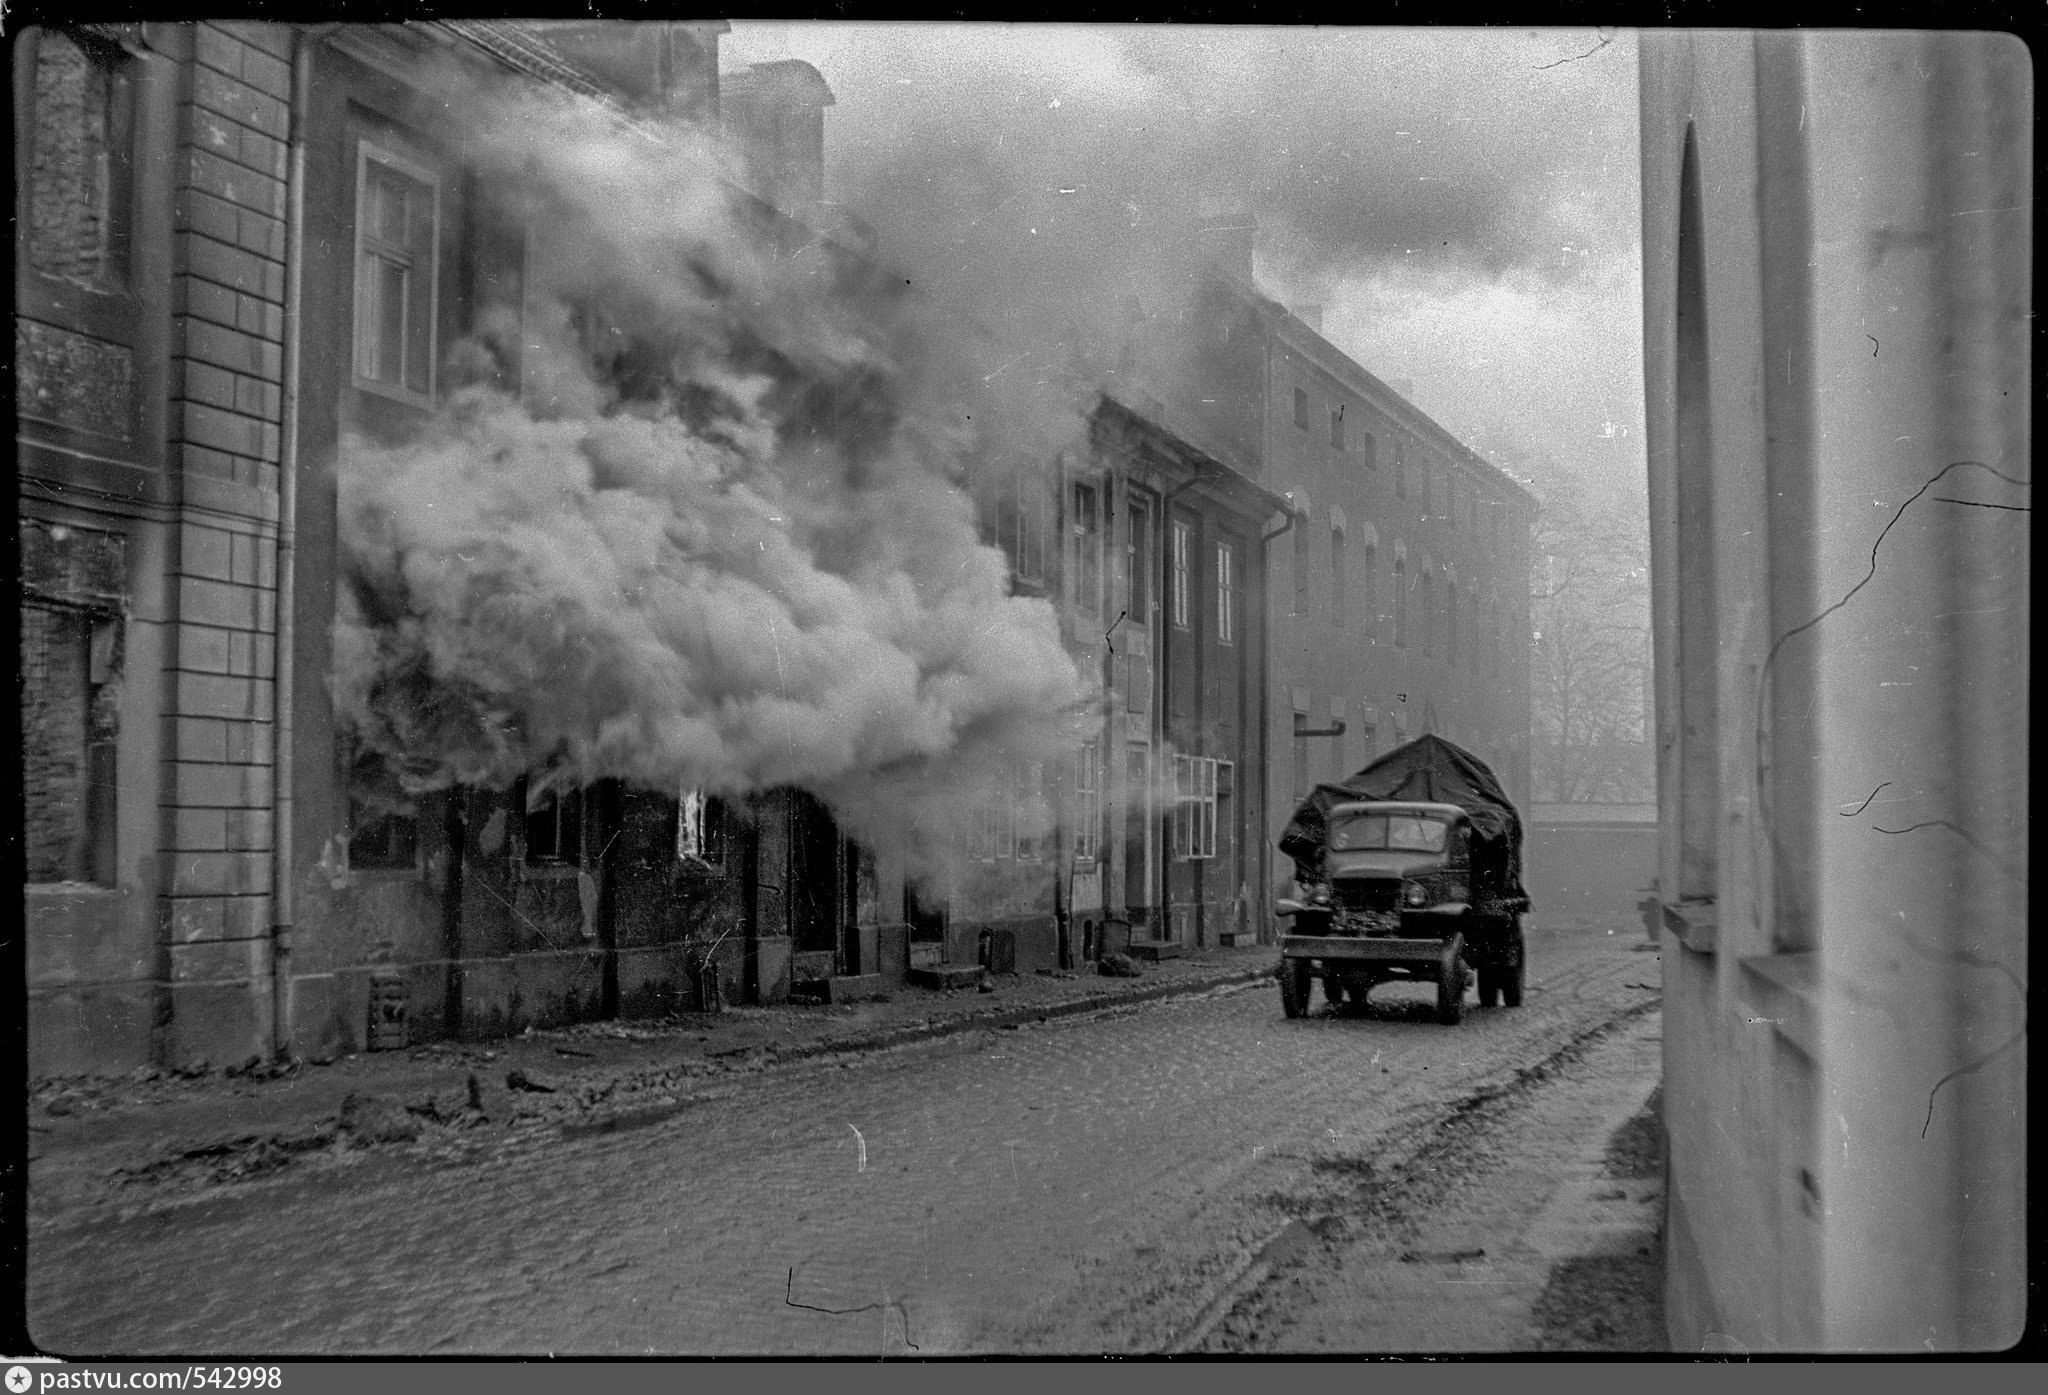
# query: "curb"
{"points": [[923, 1031]]}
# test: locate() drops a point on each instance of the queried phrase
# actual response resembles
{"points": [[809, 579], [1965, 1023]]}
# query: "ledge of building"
{"points": [[1784, 991], [1695, 924]]}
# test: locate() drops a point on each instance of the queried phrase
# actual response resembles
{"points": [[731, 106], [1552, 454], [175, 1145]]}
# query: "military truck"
{"points": [[1409, 871]]}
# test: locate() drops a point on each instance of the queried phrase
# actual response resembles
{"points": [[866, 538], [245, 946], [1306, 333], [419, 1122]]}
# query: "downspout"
{"points": [[284, 667], [1266, 710]]}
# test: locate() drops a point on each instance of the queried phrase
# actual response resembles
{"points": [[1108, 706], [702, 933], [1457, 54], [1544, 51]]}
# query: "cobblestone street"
{"points": [[1092, 1185]]}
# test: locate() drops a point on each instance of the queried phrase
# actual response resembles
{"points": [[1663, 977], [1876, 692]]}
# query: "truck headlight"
{"points": [[1414, 894]]}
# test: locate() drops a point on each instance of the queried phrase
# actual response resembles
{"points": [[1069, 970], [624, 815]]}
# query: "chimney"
{"points": [[670, 68], [1310, 315], [774, 115]]}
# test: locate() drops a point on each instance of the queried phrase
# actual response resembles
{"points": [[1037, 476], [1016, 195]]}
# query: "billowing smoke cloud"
{"points": [[694, 521]]}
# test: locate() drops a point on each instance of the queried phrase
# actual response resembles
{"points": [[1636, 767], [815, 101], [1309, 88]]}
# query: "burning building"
{"points": [[496, 551]]}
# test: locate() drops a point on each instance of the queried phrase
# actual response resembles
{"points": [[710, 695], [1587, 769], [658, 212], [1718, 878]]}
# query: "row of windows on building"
{"points": [[1443, 493], [1419, 617], [1013, 825], [1020, 521]]}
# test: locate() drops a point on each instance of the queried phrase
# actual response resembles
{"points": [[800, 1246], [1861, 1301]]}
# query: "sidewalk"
{"points": [[95, 1139]]}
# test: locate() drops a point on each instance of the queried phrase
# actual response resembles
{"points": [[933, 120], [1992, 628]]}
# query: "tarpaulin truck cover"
{"points": [[1432, 770]]}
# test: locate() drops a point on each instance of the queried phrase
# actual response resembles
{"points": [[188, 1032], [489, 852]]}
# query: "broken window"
{"points": [[554, 827], [701, 831]]}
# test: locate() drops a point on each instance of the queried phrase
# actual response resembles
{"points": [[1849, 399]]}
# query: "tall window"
{"points": [[1022, 523], [1088, 803], [1400, 470], [1400, 601], [1451, 622], [554, 827], [1087, 549], [1337, 594], [700, 830], [1181, 543], [1301, 568], [1194, 806], [1301, 408], [69, 666], [1337, 426], [1473, 647], [398, 224], [78, 175], [1370, 452], [1371, 608], [1428, 613], [1027, 804], [1226, 593], [1457, 502]]}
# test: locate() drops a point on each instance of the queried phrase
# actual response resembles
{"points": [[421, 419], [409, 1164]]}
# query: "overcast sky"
{"points": [[1462, 203]]}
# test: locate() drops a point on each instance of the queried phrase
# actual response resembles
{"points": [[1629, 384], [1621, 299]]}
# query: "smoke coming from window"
{"points": [[694, 517]]}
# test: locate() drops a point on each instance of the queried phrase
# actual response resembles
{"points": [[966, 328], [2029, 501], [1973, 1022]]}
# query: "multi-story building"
{"points": [[1837, 245]]}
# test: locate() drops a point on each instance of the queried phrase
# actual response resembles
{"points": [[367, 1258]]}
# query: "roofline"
{"points": [[1222, 477], [1288, 327]]}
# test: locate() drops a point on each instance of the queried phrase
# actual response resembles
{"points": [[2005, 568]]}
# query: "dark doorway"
{"points": [[926, 918], [815, 885]]}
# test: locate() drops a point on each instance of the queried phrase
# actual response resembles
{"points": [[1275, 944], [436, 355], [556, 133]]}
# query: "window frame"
{"points": [[368, 153], [1226, 592], [1193, 834], [1088, 802], [1338, 580], [1301, 408], [1180, 536], [1086, 530], [1337, 427], [702, 841]]}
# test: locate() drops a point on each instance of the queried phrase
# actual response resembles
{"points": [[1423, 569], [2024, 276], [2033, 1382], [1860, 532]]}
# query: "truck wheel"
{"points": [[1294, 986], [1450, 983], [1511, 976], [1489, 986]]}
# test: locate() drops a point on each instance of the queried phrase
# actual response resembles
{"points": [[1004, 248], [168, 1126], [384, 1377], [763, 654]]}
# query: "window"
{"points": [[1300, 568], [1400, 602], [1428, 613], [78, 175], [1088, 803], [1194, 806], [1371, 607], [554, 827], [1370, 452], [700, 831], [1180, 574], [1337, 426], [1473, 646], [1457, 502], [70, 663], [1023, 524], [1226, 594], [1027, 805], [1337, 577], [1451, 623], [1301, 408], [1087, 549], [381, 841], [398, 229], [1400, 471]]}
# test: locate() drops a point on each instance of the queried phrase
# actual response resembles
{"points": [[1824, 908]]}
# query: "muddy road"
{"points": [[1195, 1174]]}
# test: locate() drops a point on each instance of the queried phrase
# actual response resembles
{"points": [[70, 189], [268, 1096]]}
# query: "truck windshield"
{"points": [[1405, 832]]}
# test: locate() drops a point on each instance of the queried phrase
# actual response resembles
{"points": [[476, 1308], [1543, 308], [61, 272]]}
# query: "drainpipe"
{"points": [[284, 669], [1266, 704]]}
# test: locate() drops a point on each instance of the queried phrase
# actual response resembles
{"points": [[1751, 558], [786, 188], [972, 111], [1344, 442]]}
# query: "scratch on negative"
{"points": [[863, 1165], [1864, 805], [1605, 40], [789, 1298]]}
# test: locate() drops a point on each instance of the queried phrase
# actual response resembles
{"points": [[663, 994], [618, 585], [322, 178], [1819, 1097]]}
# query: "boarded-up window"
{"points": [[79, 165]]}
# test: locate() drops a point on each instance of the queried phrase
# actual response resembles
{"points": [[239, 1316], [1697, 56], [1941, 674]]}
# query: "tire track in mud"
{"points": [[1413, 1172]]}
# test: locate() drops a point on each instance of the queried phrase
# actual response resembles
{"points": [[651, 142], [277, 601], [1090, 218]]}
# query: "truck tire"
{"points": [[1511, 976], [1294, 986], [1450, 983]]}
